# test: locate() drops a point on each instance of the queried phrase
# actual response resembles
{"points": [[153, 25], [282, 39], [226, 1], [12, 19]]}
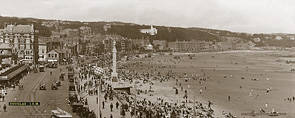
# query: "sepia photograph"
{"points": [[147, 59]]}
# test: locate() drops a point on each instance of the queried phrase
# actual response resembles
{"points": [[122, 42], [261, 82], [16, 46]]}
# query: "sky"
{"points": [[251, 16]]}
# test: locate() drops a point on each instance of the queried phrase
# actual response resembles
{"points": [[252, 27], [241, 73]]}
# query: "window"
{"points": [[55, 55], [49, 55]]}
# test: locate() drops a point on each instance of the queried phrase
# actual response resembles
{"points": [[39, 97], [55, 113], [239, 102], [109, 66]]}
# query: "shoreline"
{"points": [[274, 71]]}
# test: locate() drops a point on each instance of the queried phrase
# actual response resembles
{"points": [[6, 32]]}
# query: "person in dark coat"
{"points": [[132, 113], [117, 104], [123, 113], [105, 97], [111, 106], [4, 107], [100, 115]]}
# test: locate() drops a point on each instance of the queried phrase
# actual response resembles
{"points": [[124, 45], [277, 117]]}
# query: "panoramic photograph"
{"points": [[147, 59]]}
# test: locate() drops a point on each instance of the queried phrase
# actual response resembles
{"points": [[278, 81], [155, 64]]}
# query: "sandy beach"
{"points": [[245, 76]]}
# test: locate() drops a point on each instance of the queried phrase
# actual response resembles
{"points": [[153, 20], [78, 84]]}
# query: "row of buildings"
{"points": [[21, 40], [228, 43], [26, 46], [21, 44], [204, 46]]}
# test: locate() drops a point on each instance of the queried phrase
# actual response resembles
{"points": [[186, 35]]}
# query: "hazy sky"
{"points": [[265, 16]]}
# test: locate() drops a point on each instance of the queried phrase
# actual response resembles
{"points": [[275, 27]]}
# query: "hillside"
{"points": [[131, 31], [127, 30], [43, 31]]}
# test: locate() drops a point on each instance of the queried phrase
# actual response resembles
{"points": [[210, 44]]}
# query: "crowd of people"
{"points": [[162, 107], [143, 82], [79, 102]]}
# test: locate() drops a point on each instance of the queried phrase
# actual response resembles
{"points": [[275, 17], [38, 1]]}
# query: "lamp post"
{"points": [[98, 99]]}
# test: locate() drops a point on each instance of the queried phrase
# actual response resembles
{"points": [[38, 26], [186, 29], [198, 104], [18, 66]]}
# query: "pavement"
{"points": [[106, 112], [93, 104]]}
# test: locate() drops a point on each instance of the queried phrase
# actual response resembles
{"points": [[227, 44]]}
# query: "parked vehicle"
{"points": [[54, 87], [3, 92], [58, 83], [61, 77], [41, 68]]}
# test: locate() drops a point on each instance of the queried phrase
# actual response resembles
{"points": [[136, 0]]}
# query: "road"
{"points": [[49, 99]]}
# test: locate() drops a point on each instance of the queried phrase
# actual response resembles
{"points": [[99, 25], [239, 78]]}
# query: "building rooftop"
{"points": [[5, 46], [19, 29]]}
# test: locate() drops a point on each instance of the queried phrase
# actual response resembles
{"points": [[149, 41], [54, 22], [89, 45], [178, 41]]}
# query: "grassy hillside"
{"points": [[127, 30], [131, 31]]}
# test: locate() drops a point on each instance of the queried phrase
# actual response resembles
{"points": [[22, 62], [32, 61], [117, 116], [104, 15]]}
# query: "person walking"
{"points": [[4, 107], [123, 113], [132, 113], [117, 104], [100, 114], [111, 106], [102, 104], [105, 97]]}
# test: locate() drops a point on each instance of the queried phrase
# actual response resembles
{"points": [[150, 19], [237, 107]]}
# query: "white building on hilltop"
{"points": [[151, 31]]}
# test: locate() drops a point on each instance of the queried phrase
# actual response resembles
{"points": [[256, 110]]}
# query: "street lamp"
{"points": [[98, 100]]}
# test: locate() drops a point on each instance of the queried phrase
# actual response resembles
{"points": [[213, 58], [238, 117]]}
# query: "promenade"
{"points": [[87, 92]]}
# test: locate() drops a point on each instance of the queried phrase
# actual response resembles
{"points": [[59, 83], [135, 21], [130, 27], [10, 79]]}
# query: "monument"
{"points": [[115, 82], [114, 74]]}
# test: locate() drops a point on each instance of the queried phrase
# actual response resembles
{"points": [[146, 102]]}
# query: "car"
{"points": [[41, 68], [61, 77], [53, 87], [42, 87], [58, 83], [3, 92]]}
